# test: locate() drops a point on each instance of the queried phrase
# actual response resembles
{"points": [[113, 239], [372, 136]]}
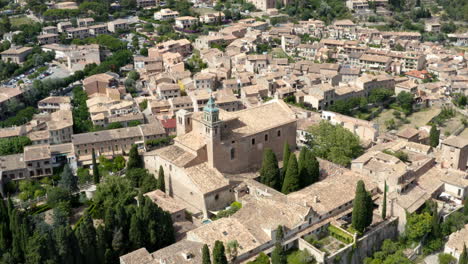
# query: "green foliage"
{"points": [[362, 208], [460, 100], [30, 189], [291, 180], [262, 258], [219, 256], [143, 105], [399, 154], [418, 225], [114, 125], [405, 101], [134, 159], [445, 258], [81, 117], [453, 223], [195, 63], [221, 46], [445, 114], [96, 174], [327, 10], [278, 256], [68, 181], [384, 202], [13, 145], [141, 178], [270, 174], [334, 143], [233, 208], [300, 257], [340, 234], [286, 154], [390, 253], [114, 191], [456, 10], [57, 195], [309, 171], [206, 255], [21, 117], [380, 95], [463, 259], [434, 135], [161, 183], [159, 142]]}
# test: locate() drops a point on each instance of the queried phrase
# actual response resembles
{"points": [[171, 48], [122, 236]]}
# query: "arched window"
{"points": [[233, 153]]}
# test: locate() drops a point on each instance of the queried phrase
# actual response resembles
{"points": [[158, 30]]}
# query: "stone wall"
{"points": [[366, 245]]}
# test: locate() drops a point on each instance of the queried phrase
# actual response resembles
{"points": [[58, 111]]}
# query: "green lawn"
{"points": [[300, 257], [17, 21], [417, 119]]}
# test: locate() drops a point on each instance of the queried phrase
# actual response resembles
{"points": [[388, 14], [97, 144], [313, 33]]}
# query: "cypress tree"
{"points": [[369, 209], [279, 234], [286, 154], [161, 183], [309, 170], [463, 256], [291, 180], [270, 174], [136, 233], [435, 221], [5, 234], [384, 203], [219, 255], [134, 159], [66, 245], [206, 255], [96, 175], [278, 255], [465, 207], [434, 135], [362, 210], [86, 236]]}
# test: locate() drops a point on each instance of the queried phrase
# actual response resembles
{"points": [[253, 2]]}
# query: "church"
{"points": [[213, 145]]}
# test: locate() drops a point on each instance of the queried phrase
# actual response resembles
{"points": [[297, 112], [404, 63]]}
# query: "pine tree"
{"points": [[219, 255], [270, 174], [96, 175], [362, 208], [134, 159], [68, 180], [434, 135], [384, 203], [206, 255], [278, 255], [463, 256], [291, 180], [286, 154], [161, 183]]}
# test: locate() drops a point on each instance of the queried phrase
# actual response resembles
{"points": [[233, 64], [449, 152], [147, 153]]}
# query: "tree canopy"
{"points": [[334, 143], [270, 174], [362, 208], [291, 180]]}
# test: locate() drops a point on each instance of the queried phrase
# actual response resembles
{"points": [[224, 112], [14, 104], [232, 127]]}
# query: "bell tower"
{"points": [[212, 129]]}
